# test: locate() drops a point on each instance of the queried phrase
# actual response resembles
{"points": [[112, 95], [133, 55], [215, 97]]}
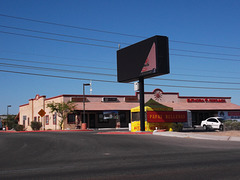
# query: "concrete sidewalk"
{"points": [[196, 136]]}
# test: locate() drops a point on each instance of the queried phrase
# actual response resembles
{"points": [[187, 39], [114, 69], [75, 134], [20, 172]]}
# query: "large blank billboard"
{"points": [[146, 59]]}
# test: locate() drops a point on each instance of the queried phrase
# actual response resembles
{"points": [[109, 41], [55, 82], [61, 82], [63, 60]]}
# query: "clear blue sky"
{"points": [[203, 22]]}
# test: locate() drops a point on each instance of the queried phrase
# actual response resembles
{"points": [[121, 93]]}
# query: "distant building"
{"points": [[110, 111]]}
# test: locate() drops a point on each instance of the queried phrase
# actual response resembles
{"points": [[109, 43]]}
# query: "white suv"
{"points": [[213, 123]]}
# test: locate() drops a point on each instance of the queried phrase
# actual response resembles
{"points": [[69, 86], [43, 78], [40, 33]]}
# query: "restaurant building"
{"points": [[114, 111]]}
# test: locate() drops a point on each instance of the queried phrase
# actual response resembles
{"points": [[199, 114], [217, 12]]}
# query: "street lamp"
{"points": [[6, 128], [8, 106], [84, 124]]}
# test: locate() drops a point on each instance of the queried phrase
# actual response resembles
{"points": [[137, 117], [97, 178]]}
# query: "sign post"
{"points": [[144, 59], [42, 113], [142, 111]]}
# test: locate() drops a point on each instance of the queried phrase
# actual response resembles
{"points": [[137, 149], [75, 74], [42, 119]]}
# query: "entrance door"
{"points": [[92, 120]]}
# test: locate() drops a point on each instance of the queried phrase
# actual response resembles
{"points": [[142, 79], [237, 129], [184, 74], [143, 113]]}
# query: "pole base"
{"points": [[84, 126]]}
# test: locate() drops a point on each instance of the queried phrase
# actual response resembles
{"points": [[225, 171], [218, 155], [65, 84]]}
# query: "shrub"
{"points": [[36, 125], [18, 127], [231, 125], [177, 127]]}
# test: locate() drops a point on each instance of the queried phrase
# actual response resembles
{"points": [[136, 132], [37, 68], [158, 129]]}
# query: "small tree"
{"points": [[10, 122], [62, 109]]}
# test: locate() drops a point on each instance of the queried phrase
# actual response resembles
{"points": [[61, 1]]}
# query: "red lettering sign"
{"points": [[234, 113], [166, 116], [206, 100]]}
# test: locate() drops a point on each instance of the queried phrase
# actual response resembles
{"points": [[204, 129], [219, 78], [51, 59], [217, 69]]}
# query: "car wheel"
{"points": [[205, 128], [221, 128]]}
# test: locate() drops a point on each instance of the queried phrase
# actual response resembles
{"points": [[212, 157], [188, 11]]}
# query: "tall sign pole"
{"points": [[142, 109], [145, 59]]}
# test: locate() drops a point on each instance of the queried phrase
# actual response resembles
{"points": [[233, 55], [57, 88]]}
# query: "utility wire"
{"points": [[206, 57], [60, 40], [98, 80], [55, 76], [51, 56], [110, 32], [54, 69], [113, 69], [115, 42], [57, 64], [70, 26], [204, 52], [112, 47], [63, 35], [112, 75]]}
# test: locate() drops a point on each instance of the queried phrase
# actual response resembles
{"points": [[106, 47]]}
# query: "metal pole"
{"points": [[142, 111], [84, 121]]}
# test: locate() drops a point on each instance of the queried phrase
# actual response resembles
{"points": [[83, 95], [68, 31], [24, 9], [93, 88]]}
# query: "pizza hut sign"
{"points": [[206, 100]]}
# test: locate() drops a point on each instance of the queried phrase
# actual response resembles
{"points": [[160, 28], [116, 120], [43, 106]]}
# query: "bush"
{"points": [[231, 125], [36, 125], [177, 127], [18, 127]]}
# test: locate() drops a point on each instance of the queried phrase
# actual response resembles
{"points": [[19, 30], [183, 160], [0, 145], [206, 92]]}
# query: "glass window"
{"points": [[102, 119], [47, 120], [54, 119], [71, 119]]}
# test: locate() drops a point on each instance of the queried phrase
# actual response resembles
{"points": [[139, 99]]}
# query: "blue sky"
{"points": [[204, 22]]}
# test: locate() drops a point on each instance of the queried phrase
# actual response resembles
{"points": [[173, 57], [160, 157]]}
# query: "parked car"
{"points": [[213, 123]]}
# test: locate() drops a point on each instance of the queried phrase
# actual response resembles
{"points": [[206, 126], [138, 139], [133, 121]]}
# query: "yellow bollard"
{"points": [[170, 129]]}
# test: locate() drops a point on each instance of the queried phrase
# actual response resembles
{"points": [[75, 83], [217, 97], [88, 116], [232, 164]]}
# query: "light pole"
{"points": [[84, 124], [8, 106]]}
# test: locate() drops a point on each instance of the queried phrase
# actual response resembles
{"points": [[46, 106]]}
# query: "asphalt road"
{"points": [[88, 155]]}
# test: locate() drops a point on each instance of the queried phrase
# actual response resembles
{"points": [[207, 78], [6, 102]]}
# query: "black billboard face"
{"points": [[146, 59]]}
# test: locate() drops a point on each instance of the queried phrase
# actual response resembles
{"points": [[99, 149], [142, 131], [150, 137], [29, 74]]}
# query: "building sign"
{"points": [[206, 100], [229, 114], [79, 99], [131, 99], [109, 99], [166, 116]]}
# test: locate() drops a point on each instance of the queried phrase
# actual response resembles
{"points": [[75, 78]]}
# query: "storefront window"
{"points": [[101, 119], [71, 119]]}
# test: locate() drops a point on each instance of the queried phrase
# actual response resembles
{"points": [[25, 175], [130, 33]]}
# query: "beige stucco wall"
{"points": [[30, 112]]}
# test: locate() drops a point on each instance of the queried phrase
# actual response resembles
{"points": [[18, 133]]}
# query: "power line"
{"points": [[60, 40], [54, 69], [205, 57], [70, 26], [58, 64], [195, 81], [112, 47], [51, 56], [112, 75], [207, 76], [115, 42], [209, 45], [98, 80], [55, 76], [63, 35], [110, 32], [113, 69], [205, 52]]}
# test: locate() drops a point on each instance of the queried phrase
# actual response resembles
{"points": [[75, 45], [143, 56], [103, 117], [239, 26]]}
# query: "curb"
{"points": [[131, 133], [74, 130], [197, 136]]}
